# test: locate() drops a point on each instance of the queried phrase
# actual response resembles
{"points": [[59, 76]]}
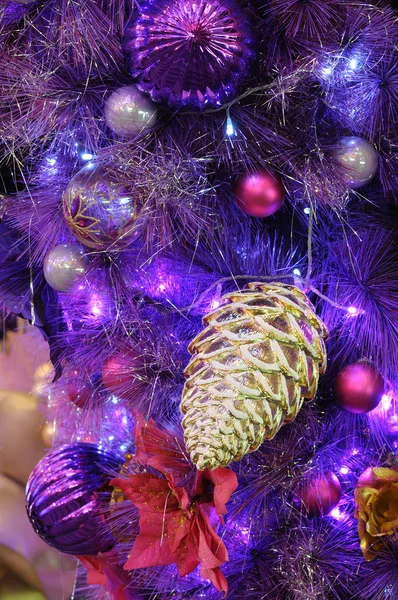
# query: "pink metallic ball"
{"points": [[79, 389], [321, 495], [120, 372], [259, 194], [359, 388]]}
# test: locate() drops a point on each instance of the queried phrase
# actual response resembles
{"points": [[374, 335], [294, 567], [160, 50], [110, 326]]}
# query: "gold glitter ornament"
{"points": [[253, 365]]}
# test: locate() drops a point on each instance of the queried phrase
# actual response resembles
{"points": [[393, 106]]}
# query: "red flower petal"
{"points": [[225, 483], [161, 450], [101, 570], [210, 548], [147, 492]]}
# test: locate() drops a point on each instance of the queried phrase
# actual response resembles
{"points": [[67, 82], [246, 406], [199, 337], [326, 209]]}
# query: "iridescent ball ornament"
{"points": [[64, 266], [64, 496], [99, 211], [320, 495], [359, 387], [127, 111], [259, 194], [359, 160], [189, 53]]}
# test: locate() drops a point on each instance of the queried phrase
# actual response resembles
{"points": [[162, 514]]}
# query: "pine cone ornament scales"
{"points": [[253, 365]]}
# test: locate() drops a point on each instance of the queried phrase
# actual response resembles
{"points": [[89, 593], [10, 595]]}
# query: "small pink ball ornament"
{"points": [[320, 495], [359, 388], [259, 194]]}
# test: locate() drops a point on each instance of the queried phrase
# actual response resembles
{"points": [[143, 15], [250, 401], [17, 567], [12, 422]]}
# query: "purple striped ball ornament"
{"points": [[189, 53], [64, 496]]}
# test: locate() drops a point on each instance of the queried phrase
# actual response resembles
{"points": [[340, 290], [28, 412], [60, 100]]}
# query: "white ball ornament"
{"points": [[128, 111], [64, 266], [359, 159]]}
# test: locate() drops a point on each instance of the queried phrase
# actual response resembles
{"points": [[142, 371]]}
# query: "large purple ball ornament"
{"points": [[189, 53], [64, 495]]}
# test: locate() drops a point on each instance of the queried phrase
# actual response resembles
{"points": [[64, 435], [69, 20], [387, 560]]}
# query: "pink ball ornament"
{"points": [[79, 389], [320, 495], [359, 388], [121, 371], [259, 194]]}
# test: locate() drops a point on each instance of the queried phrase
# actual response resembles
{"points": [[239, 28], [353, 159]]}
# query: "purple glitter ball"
{"points": [[189, 53], [64, 494]]}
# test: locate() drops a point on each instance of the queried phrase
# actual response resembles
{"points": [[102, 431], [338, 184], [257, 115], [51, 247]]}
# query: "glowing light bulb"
{"points": [[86, 156], [307, 210], [337, 514], [353, 64], [344, 470], [96, 305], [230, 128], [386, 400], [297, 272]]}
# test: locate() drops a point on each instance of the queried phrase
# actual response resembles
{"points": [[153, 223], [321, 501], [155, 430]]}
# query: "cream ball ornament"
{"points": [[359, 160], [127, 111], [64, 266]]}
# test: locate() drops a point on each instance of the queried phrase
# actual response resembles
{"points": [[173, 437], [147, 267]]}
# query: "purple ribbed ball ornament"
{"points": [[189, 53], [64, 494]]}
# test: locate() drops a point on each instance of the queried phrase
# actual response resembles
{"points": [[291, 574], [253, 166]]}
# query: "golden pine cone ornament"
{"points": [[253, 365]]}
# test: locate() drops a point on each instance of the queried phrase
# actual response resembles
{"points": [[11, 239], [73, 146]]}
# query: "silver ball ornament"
{"points": [[359, 159], [127, 111], [64, 265]]}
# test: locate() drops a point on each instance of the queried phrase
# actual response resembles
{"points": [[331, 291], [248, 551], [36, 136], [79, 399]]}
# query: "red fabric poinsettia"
{"points": [[176, 527], [101, 570]]}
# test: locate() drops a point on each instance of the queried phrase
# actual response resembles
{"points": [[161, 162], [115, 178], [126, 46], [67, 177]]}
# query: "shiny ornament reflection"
{"points": [[63, 500], [99, 211], [189, 53], [259, 194], [359, 388], [64, 266], [359, 159], [127, 111]]}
